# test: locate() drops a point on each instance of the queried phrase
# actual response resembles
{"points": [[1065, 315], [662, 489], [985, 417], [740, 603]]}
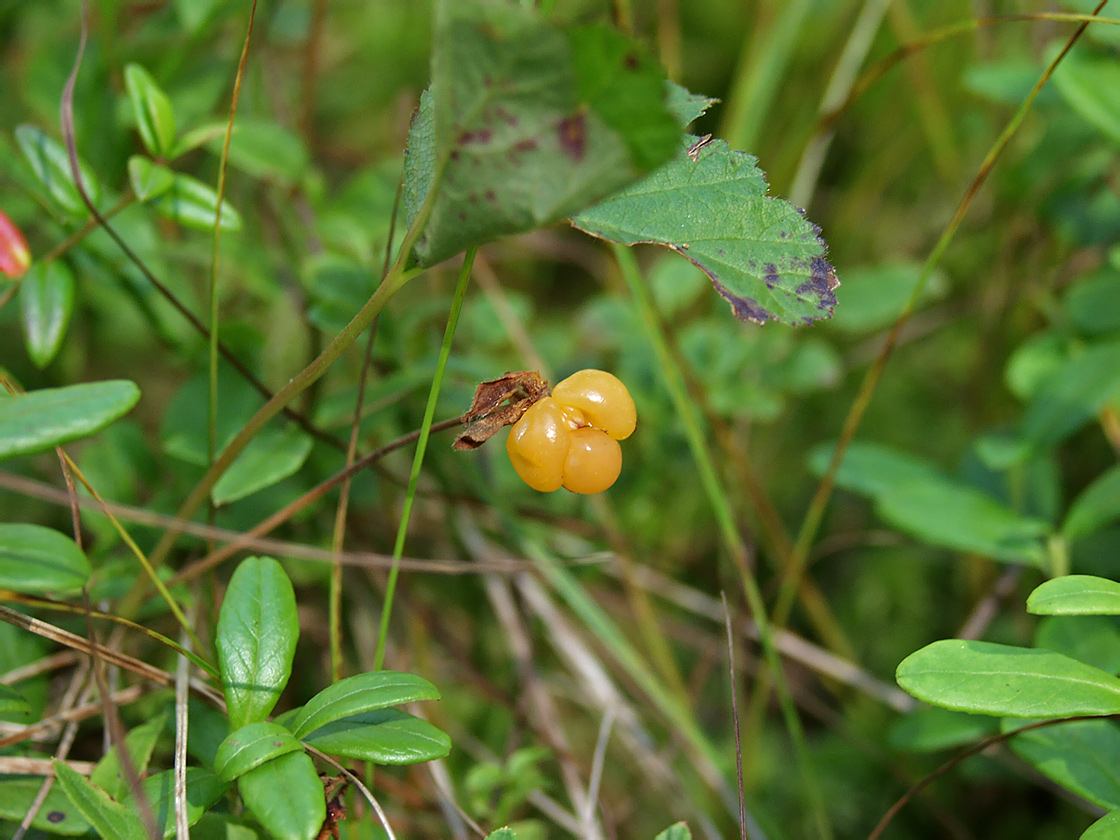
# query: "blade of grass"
{"points": [[421, 447], [731, 538]]}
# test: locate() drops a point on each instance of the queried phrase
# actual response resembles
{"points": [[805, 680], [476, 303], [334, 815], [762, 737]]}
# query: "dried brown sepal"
{"points": [[487, 415]]}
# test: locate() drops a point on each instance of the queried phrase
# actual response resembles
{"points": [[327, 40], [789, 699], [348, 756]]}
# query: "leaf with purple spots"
{"points": [[709, 204], [526, 123]]}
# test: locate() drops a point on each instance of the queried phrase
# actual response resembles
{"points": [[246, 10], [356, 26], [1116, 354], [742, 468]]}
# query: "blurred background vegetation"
{"points": [[528, 666]]}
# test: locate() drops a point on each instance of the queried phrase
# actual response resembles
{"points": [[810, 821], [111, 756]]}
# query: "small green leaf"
{"points": [[154, 116], [36, 560], [203, 790], [264, 150], [256, 639], [361, 693], [989, 679], [1092, 639], [251, 746], [525, 123], [872, 469], [677, 831], [57, 814], [148, 179], [1076, 595], [12, 702], [930, 729], [139, 743], [505, 833], [709, 204], [1097, 506], [1090, 83], [51, 166], [382, 736], [1071, 396], [1082, 756], [108, 818], [38, 420], [286, 797], [46, 302], [193, 204], [1106, 828], [946, 513], [273, 455]]}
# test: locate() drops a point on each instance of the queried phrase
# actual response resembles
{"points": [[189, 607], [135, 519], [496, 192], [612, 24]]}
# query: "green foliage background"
{"points": [[984, 391]]}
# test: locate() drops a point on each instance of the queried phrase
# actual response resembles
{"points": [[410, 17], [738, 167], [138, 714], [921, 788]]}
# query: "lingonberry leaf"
{"points": [[155, 118], [46, 301], [1081, 755], [1076, 595], [709, 204], [36, 421], [526, 123], [35, 559], [286, 796], [381, 736], [251, 746]]}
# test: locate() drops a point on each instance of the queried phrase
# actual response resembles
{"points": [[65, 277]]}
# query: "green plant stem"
{"points": [[418, 458], [731, 537]]}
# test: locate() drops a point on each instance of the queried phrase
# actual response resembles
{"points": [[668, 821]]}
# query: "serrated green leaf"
{"points": [[1090, 83], [382, 736], [36, 560], [685, 105], [251, 746], [155, 117], [57, 814], [1106, 828], [525, 124], [286, 797], [38, 420], [677, 831], [12, 702], [990, 679], [273, 455], [193, 204], [110, 819], [1096, 506], [148, 179], [138, 743], [1082, 756], [930, 729], [709, 204], [361, 693], [46, 302], [51, 165], [952, 515], [256, 639], [1076, 595], [203, 790]]}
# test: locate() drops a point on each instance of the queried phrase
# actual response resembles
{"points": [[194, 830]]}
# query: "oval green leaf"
{"points": [[1076, 595], [193, 204], [38, 420], [203, 790], [952, 515], [1097, 506], [1106, 828], [12, 702], [37, 560], [256, 639], [149, 179], [51, 165], [155, 118], [251, 746], [273, 455], [383, 736], [286, 797], [57, 814], [990, 679], [361, 693], [46, 301], [108, 817], [1082, 756], [677, 831]]}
